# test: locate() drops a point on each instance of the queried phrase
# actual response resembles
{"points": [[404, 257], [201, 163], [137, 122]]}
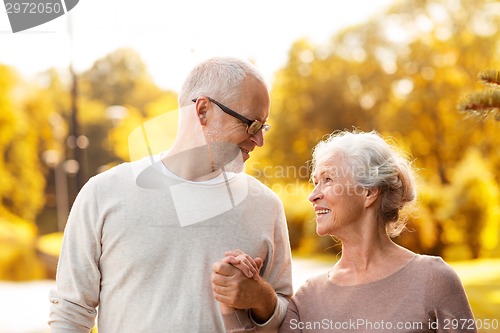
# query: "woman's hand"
{"points": [[249, 266]]}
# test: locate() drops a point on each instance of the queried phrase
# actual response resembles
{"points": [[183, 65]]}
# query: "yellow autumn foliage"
{"points": [[18, 254]]}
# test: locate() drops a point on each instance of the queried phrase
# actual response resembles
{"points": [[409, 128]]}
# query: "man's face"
{"points": [[254, 103]]}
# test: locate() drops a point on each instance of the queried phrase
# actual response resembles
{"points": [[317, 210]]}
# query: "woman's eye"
{"points": [[328, 180]]}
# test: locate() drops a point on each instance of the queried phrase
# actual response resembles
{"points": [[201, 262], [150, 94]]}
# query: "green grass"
{"points": [[481, 280]]}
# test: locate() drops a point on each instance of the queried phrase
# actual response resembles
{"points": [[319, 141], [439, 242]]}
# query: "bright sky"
{"points": [[172, 36]]}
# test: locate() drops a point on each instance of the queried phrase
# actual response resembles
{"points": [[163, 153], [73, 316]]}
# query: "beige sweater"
{"points": [[139, 251], [424, 296]]}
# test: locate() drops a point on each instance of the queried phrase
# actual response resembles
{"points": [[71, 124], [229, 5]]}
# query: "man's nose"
{"points": [[258, 138]]}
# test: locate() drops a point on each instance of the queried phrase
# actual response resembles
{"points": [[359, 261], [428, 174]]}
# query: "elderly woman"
{"points": [[361, 184]]}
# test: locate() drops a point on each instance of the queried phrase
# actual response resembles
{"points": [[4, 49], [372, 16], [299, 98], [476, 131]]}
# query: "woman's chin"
{"points": [[321, 232]]}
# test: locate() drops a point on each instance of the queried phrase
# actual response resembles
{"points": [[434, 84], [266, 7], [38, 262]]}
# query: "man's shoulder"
{"points": [[118, 170], [258, 188], [118, 176]]}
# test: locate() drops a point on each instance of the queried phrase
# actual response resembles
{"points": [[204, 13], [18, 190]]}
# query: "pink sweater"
{"points": [[426, 295]]}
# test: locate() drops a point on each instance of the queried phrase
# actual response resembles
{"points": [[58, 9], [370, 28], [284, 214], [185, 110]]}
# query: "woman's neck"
{"points": [[368, 257]]}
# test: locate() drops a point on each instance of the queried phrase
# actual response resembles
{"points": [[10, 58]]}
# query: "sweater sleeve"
{"points": [[76, 296], [451, 306], [278, 273], [292, 318], [238, 322]]}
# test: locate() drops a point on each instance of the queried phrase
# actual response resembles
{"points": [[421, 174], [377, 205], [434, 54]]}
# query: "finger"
{"points": [[216, 267], [245, 269], [218, 290], [245, 265], [249, 262], [223, 281], [252, 265], [231, 260], [234, 253], [217, 280], [243, 262], [259, 263], [223, 268], [223, 294]]}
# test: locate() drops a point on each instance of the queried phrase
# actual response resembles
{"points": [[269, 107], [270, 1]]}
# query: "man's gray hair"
{"points": [[219, 78]]}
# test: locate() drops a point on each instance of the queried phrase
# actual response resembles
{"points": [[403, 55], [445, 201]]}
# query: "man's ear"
{"points": [[372, 195], [202, 105]]}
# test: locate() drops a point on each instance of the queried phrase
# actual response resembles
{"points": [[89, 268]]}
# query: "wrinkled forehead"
{"points": [[254, 100], [332, 165]]}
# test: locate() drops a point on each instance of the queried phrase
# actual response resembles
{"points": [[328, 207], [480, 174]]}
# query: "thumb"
{"points": [[259, 262]]}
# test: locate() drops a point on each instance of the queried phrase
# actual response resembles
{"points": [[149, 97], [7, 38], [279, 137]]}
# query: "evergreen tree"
{"points": [[486, 102]]}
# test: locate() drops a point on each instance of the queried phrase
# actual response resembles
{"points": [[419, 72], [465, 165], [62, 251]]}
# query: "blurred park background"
{"points": [[407, 72]]}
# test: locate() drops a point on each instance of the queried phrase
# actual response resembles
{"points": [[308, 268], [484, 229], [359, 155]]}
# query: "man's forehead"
{"points": [[255, 110]]}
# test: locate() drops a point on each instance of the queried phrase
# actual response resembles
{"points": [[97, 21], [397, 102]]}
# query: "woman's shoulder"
{"points": [[438, 270], [431, 262], [313, 286]]}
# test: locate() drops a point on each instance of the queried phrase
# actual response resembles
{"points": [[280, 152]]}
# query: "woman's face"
{"points": [[337, 200]]}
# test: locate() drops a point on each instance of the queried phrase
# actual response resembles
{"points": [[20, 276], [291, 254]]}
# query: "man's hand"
{"points": [[237, 284]]}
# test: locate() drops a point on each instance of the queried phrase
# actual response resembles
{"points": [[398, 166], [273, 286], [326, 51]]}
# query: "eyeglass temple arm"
{"points": [[228, 110]]}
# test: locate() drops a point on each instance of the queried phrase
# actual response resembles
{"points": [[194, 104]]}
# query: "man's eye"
{"points": [[328, 180]]}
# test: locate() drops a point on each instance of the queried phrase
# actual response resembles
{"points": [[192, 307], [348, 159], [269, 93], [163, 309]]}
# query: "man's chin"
{"points": [[245, 155]]}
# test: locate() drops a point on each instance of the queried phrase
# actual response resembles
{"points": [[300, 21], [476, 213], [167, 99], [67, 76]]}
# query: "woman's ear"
{"points": [[372, 195]]}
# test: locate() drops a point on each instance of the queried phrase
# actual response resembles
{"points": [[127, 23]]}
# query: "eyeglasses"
{"points": [[253, 126]]}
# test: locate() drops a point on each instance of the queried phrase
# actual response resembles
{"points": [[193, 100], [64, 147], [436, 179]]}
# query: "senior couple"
{"points": [[184, 241]]}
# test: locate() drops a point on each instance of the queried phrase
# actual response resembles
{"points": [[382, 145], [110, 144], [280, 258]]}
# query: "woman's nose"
{"points": [[315, 194]]}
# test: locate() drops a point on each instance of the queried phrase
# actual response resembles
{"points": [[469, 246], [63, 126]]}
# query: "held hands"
{"points": [[246, 264], [235, 281]]}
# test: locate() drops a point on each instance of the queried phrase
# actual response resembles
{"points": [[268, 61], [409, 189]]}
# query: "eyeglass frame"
{"points": [[264, 127]]}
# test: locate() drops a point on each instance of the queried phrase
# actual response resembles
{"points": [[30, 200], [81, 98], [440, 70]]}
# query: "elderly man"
{"points": [[142, 238]]}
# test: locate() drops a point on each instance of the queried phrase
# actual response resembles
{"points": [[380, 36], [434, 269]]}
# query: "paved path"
{"points": [[303, 269], [24, 307]]}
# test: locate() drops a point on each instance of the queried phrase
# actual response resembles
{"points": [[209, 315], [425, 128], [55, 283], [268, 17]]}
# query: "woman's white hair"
{"points": [[374, 163], [219, 78]]}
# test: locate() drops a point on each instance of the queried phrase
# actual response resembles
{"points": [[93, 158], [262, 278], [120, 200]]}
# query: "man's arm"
{"points": [[267, 297], [74, 302]]}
